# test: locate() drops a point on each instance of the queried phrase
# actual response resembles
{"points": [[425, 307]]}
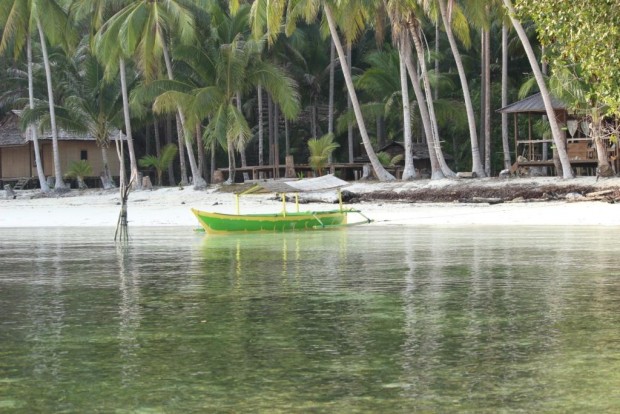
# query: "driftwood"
{"points": [[603, 195], [466, 174], [489, 200]]}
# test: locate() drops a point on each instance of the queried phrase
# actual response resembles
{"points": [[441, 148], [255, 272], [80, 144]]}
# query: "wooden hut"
{"points": [[532, 150], [17, 159]]}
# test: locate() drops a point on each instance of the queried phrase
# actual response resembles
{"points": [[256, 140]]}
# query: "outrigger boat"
{"points": [[213, 222]]}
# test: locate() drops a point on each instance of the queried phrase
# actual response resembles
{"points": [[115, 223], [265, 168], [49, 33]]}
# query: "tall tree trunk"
{"points": [[433, 133], [558, 139], [106, 174], [60, 185], [212, 164], [436, 95], [231, 162], [241, 146], [261, 132], [276, 139], [181, 145], [287, 138], [380, 172], [436, 170], [198, 181], [471, 119], [200, 147], [332, 80], [270, 128], [33, 129], [505, 145], [171, 178], [483, 84], [133, 165], [604, 168], [157, 137], [403, 56], [349, 105], [486, 115]]}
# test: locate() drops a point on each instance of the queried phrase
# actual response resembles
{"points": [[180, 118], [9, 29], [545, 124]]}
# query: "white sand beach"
{"points": [[170, 206]]}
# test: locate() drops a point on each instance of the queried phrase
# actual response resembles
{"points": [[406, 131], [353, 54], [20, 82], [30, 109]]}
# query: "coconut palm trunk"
{"points": [[59, 185], [380, 172], [198, 181], [433, 133], [436, 170], [332, 78], [604, 168], [33, 130], [505, 145], [261, 129], [133, 164], [403, 52], [558, 139], [486, 98], [471, 119]]}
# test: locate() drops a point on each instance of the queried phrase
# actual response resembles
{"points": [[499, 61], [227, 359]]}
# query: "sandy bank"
{"points": [[171, 206]]}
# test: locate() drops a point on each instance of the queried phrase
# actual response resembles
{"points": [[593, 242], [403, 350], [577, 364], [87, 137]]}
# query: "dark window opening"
{"points": [[84, 155]]}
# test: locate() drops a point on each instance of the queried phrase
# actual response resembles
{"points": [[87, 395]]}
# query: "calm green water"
{"points": [[386, 320]]}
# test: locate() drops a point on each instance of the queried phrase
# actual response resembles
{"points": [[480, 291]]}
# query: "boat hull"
{"points": [[232, 223]]}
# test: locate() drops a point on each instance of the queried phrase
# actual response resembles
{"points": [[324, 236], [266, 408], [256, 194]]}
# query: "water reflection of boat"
{"points": [[214, 222]]}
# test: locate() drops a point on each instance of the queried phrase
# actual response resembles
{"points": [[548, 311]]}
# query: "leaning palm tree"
{"points": [[448, 10], [160, 163], [268, 16], [558, 139], [320, 151]]}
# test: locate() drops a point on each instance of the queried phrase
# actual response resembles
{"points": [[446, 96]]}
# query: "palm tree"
{"points": [[558, 139], [88, 104], [79, 170], [217, 72], [320, 150], [400, 37], [33, 130], [268, 16], [425, 99], [446, 11], [161, 162], [50, 20], [142, 29]]}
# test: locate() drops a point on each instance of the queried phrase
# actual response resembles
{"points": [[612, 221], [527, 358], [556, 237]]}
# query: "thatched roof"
{"points": [[12, 135], [532, 104]]}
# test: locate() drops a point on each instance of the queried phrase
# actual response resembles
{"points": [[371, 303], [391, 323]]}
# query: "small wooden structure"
{"points": [[17, 160], [535, 151]]}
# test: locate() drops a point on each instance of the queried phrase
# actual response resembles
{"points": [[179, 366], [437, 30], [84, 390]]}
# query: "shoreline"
{"points": [[170, 206]]}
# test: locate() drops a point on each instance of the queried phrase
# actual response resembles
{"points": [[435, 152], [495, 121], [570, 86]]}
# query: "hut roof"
{"points": [[532, 103], [12, 135]]}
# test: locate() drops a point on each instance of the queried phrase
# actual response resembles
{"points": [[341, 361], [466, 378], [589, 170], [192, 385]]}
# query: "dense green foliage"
{"points": [[230, 75], [582, 36]]}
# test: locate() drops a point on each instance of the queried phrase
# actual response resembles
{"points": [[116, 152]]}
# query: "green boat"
{"points": [[213, 222]]}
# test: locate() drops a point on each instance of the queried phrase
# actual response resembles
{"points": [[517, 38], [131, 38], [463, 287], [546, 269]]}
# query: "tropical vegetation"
{"points": [[248, 83]]}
